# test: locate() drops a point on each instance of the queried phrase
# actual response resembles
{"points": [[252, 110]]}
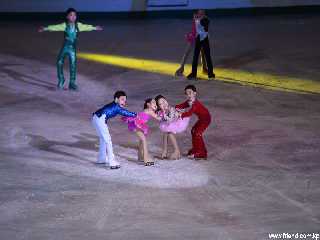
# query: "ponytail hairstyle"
{"points": [[148, 100]]}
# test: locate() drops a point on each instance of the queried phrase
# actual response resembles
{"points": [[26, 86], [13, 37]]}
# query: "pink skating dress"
{"points": [[172, 123], [191, 36], [138, 123]]}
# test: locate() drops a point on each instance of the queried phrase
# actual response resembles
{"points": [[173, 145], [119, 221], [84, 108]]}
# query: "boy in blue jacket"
{"points": [[99, 121]]}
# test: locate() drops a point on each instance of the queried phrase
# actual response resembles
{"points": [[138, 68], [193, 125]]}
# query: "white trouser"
{"points": [[105, 144]]}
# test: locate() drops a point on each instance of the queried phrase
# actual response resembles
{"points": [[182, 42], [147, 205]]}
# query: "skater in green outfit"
{"points": [[71, 27]]}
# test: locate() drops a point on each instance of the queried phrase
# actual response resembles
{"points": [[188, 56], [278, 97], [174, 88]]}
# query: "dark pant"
{"points": [[198, 146], [204, 44], [203, 61]]}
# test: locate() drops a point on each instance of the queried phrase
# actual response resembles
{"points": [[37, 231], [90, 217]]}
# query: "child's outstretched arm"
{"points": [[126, 113], [53, 28], [155, 116], [183, 105], [87, 27], [188, 113]]}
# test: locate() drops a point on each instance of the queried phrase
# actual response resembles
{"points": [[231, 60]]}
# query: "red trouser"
{"points": [[198, 146]]}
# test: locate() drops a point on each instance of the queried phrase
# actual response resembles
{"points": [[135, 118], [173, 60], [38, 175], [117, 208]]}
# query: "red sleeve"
{"points": [[188, 113], [183, 105]]}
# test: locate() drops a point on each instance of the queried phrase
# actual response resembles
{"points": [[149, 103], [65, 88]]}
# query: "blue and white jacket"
{"points": [[113, 109]]}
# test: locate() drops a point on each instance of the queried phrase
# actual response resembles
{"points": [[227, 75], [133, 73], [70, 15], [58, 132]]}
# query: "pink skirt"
{"points": [[138, 123], [190, 38], [177, 126]]}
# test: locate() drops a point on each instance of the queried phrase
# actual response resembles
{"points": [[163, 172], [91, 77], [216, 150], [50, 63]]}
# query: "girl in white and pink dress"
{"points": [[171, 123]]}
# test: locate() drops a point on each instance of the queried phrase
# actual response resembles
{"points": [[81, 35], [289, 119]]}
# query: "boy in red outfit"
{"points": [[198, 150]]}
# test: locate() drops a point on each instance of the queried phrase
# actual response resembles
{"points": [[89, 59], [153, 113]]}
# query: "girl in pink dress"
{"points": [[139, 125], [170, 124]]}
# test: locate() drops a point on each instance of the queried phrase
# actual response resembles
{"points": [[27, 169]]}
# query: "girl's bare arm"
{"points": [[154, 115]]}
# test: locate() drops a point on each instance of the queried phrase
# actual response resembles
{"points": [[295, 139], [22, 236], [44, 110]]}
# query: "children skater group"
{"points": [[172, 119]]}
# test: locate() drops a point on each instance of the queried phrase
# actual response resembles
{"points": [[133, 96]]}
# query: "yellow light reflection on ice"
{"points": [[257, 79]]}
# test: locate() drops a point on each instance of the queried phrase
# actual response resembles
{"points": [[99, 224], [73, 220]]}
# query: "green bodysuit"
{"points": [[69, 49]]}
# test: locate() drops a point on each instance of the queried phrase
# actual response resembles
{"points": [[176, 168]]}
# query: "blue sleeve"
{"points": [[126, 113]]}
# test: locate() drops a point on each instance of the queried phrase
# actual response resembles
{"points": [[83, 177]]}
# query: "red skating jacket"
{"points": [[197, 108]]}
